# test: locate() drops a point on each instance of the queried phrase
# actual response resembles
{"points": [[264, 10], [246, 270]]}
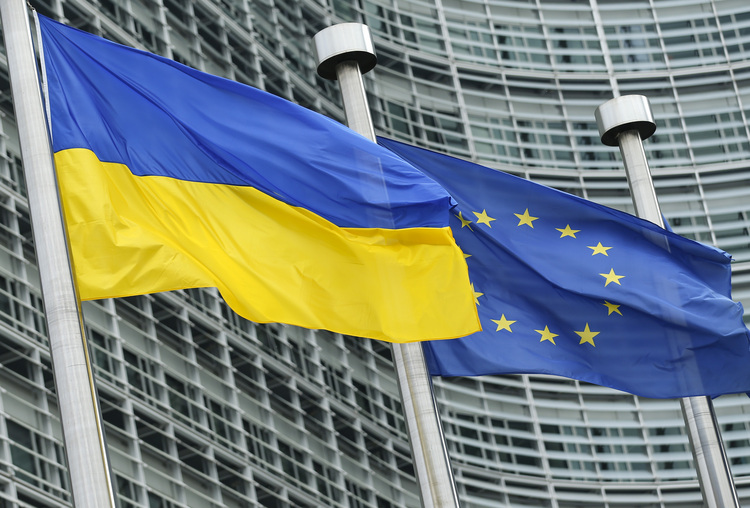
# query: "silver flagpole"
{"points": [[79, 410], [345, 52], [625, 121]]}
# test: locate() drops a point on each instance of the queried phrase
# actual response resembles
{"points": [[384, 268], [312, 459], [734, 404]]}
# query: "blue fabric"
{"points": [[674, 333], [159, 117]]}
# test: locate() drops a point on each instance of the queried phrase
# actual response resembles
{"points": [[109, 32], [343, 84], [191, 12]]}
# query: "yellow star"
{"points": [[567, 231], [477, 294], [547, 335], [525, 218], [612, 277], [503, 324], [466, 255], [611, 307], [599, 249], [587, 335], [483, 218], [464, 222]]}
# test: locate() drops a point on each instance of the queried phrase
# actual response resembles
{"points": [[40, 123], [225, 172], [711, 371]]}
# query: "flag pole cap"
{"points": [[343, 42], [624, 113]]}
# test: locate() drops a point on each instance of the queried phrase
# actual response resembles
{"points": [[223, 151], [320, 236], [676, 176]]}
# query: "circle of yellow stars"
{"points": [[586, 336]]}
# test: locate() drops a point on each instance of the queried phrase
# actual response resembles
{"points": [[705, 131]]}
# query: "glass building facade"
{"points": [[204, 409]]}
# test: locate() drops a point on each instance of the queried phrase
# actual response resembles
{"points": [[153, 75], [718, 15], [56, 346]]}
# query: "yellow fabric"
{"points": [[271, 262]]}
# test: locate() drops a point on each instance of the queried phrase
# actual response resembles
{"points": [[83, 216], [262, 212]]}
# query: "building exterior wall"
{"points": [[204, 409]]}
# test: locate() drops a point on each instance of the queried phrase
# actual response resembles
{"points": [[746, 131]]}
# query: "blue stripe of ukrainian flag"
{"points": [[171, 178]]}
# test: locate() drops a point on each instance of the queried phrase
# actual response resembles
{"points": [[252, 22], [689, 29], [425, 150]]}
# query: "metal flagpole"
{"points": [[344, 52], [625, 121], [79, 409]]}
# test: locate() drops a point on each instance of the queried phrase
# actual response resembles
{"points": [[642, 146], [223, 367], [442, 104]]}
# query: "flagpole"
{"points": [[344, 52], [625, 121], [83, 434]]}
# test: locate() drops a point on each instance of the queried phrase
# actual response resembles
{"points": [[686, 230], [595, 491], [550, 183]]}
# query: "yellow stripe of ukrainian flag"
{"points": [[133, 235]]}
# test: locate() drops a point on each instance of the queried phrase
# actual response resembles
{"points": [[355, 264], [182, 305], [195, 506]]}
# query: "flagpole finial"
{"points": [[624, 113], [343, 42]]}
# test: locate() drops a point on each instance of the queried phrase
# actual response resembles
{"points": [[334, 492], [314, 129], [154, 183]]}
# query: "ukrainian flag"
{"points": [[171, 178]]}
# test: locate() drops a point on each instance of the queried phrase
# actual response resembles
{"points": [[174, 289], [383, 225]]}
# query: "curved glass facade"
{"points": [[514, 84], [204, 409]]}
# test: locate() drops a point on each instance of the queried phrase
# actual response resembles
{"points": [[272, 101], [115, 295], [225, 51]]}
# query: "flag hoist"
{"points": [[85, 449]]}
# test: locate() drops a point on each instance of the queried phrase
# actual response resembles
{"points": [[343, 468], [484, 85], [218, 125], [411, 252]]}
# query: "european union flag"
{"points": [[571, 288], [172, 178]]}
